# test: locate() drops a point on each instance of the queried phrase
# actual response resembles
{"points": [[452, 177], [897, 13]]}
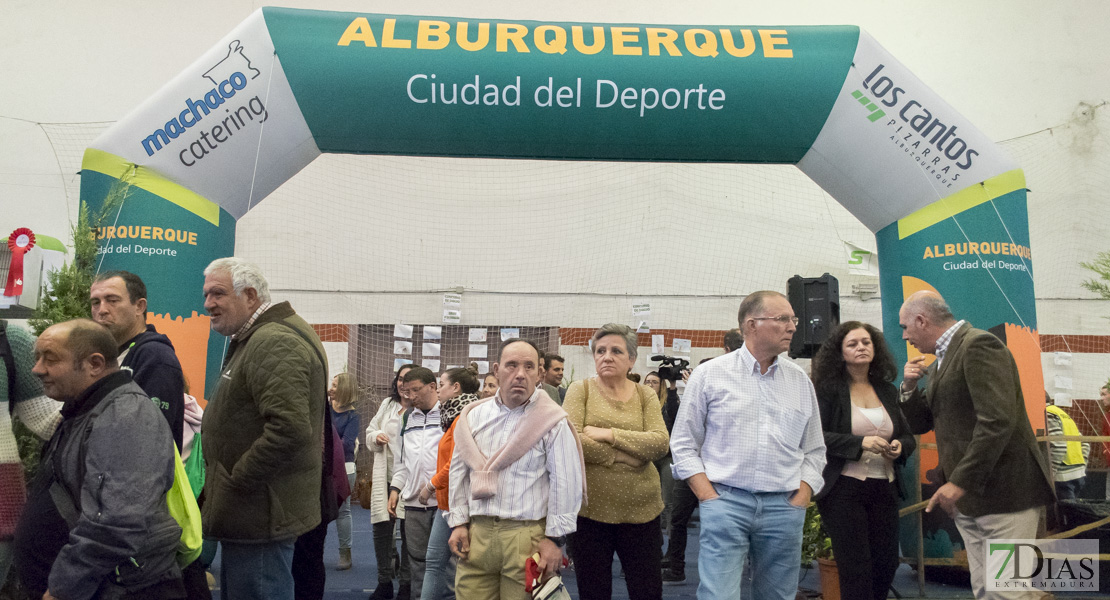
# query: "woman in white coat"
{"points": [[384, 442]]}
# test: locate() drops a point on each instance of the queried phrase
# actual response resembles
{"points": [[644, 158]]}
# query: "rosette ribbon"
{"points": [[19, 242]]}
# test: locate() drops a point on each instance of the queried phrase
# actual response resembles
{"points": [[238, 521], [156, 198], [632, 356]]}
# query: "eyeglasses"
{"points": [[784, 319], [405, 392]]}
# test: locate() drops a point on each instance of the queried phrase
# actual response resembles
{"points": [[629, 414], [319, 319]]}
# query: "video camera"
{"points": [[671, 368]]}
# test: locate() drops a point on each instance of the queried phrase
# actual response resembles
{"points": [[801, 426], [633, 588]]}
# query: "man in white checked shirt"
{"points": [[516, 481], [748, 441]]}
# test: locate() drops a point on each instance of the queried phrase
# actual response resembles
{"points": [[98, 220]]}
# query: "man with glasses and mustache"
{"points": [[748, 442], [414, 467]]}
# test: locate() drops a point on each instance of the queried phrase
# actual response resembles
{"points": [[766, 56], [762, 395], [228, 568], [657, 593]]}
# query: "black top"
{"points": [[154, 366], [841, 445]]}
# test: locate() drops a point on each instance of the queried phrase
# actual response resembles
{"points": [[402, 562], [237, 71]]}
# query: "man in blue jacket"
{"points": [[118, 302]]}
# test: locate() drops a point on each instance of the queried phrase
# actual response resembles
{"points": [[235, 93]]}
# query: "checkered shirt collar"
{"points": [[946, 338], [258, 313]]}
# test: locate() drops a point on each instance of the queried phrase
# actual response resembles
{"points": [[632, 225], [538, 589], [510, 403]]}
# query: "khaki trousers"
{"points": [[977, 530], [494, 568]]}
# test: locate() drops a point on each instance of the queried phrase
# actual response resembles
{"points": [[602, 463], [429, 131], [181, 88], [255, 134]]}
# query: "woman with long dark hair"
{"points": [[866, 436], [384, 441]]}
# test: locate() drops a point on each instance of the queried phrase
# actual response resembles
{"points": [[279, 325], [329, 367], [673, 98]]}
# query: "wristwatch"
{"points": [[558, 541]]}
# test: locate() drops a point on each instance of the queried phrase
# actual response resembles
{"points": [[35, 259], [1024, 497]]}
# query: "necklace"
{"points": [[605, 393]]}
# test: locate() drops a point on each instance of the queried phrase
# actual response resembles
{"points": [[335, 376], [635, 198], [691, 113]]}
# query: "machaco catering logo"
{"points": [[1043, 565]]}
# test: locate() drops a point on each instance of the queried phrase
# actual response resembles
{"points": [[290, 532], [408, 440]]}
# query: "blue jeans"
{"points": [[1070, 490], [740, 523], [343, 520], [256, 571], [439, 573]]}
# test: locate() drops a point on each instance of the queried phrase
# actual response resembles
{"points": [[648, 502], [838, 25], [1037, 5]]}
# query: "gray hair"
{"points": [[244, 274], [626, 332]]}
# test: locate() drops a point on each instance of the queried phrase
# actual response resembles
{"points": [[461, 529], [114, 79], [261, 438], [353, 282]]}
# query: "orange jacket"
{"points": [[443, 465]]}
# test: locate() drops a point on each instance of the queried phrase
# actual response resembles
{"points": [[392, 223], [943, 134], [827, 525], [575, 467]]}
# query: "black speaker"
{"points": [[816, 303]]}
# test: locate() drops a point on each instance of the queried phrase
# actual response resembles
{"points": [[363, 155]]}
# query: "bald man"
{"points": [[995, 480], [96, 522]]}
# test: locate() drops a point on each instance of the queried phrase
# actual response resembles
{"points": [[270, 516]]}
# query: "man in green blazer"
{"points": [[996, 480]]}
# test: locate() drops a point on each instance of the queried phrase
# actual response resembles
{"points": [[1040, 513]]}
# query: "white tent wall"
{"points": [[1013, 68]]}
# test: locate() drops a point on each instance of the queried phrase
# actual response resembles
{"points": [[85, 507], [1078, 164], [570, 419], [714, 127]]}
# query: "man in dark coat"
{"points": [[118, 301], [996, 481], [96, 523]]}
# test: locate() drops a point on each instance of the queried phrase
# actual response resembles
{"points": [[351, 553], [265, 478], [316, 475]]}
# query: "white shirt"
{"points": [[415, 464], [544, 483], [756, 431]]}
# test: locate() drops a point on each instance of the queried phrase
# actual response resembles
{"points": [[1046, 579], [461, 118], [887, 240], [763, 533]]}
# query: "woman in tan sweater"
{"points": [[622, 431]]}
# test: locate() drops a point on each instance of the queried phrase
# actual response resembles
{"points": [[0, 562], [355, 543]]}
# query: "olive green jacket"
{"points": [[984, 439], [263, 433]]}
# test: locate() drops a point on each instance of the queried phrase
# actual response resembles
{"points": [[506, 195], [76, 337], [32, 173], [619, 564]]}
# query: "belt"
{"points": [[420, 508]]}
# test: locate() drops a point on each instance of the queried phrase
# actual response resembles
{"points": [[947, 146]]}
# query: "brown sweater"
{"points": [[620, 493]]}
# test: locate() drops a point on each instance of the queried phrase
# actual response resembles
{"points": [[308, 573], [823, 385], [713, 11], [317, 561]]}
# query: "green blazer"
{"points": [[986, 445]]}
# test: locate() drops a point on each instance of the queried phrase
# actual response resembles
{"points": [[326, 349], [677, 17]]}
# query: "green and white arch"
{"points": [[287, 85]]}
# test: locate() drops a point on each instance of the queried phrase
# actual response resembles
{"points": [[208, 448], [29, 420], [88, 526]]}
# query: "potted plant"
{"points": [[816, 545]]}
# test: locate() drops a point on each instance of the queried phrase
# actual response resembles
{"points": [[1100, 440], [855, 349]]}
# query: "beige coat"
{"points": [[387, 421]]}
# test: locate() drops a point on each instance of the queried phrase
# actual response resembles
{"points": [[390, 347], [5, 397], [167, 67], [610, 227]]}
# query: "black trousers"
{"points": [[683, 503], [385, 548], [637, 546], [309, 574], [862, 520]]}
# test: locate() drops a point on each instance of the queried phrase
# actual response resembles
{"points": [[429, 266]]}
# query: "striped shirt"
{"points": [[945, 339], [756, 431], [545, 483], [415, 464]]}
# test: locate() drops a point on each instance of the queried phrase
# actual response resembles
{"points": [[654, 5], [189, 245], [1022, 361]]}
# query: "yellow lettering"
{"points": [[358, 31], [192, 238], [558, 45], [469, 46], [772, 38], [580, 43], [626, 35], [657, 37], [705, 49], [388, 39], [144, 232], [433, 35], [949, 249], [730, 45], [1006, 249], [156, 233], [928, 253], [110, 232], [973, 248], [511, 32]]}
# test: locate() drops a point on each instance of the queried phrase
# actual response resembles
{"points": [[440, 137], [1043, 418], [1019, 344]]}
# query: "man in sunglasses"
{"points": [[748, 442]]}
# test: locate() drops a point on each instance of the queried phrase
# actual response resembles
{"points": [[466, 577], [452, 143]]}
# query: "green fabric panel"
{"points": [[356, 98]]}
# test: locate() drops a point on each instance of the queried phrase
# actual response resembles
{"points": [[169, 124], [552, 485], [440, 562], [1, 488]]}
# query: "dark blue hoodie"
{"points": [[154, 366]]}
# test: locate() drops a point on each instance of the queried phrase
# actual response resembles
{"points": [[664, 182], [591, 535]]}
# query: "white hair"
{"points": [[244, 274]]}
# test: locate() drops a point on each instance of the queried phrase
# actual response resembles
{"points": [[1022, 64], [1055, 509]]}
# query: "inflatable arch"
{"points": [[944, 202]]}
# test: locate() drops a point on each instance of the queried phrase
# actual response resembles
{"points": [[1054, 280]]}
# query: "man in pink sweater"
{"points": [[516, 481]]}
